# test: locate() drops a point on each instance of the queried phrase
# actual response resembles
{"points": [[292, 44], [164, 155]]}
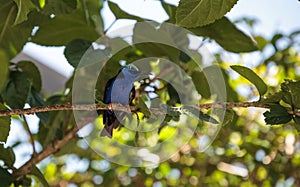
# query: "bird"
{"points": [[118, 89]]}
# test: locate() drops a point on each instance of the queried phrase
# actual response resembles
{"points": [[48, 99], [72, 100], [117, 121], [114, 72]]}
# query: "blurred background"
{"points": [[245, 150]]}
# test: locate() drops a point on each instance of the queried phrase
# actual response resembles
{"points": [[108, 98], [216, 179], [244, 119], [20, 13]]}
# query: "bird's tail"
{"points": [[107, 131]]}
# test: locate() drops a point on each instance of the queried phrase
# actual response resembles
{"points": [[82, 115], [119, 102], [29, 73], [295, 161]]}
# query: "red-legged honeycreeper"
{"points": [[118, 89]]}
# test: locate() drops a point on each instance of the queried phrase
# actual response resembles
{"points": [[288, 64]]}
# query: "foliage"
{"points": [[266, 154]]}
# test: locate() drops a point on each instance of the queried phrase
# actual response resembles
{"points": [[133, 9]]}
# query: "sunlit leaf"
{"points": [[252, 77], [4, 69], [120, 14], [24, 8], [4, 125], [196, 13]]}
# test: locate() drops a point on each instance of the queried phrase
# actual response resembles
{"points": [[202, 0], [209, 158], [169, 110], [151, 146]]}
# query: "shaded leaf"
{"points": [[36, 100], [32, 72], [75, 50], [162, 41], [277, 115], [227, 35], [70, 27], [143, 107], [197, 114], [174, 97], [36, 172], [229, 116], [52, 130], [17, 90], [5, 125], [120, 14], [196, 13], [170, 111], [5, 178], [24, 8], [59, 7], [170, 10], [201, 84], [291, 93], [252, 77], [9, 156]]}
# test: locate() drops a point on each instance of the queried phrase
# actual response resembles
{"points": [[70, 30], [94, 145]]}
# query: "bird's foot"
{"points": [[109, 106]]}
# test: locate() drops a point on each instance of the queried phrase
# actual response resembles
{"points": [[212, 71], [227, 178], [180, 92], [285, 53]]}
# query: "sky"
{"points": [[273, 15]]}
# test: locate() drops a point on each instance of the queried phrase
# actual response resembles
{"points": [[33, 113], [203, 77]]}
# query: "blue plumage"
{"points": [[118, 89]]}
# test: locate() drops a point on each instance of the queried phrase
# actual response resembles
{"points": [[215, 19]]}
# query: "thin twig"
{"points": [[30, 134]]}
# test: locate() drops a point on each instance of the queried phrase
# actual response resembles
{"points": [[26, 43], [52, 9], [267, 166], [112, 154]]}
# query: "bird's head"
{"points": [[131, 71]]}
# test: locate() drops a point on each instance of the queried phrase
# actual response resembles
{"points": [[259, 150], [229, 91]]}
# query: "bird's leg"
{"points": [[109, 106]]}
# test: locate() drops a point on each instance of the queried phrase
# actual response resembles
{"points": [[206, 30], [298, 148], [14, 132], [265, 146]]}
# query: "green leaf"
{"points": [[227, 35], [197, 114], [196, 13], [143, 107], [297, 121], [252, 77], [4, 125], [9, 156], [277, 115], [24, 8], [261, 42], [75, 50], [17, 90], [5, 178], [59, 7], [291, 93], [4, 71], [229, 116], [120, 14], [170, 111], [32, 72], [62, 29], [12, 38], [162, 41], [50, 131], [174, 97], [36, 100], [170, 10], [36, 172], [201, 84]]}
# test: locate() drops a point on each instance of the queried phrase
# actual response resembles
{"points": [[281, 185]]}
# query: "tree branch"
{"points": [[51, 149], [57, 144], [119, 107]]}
